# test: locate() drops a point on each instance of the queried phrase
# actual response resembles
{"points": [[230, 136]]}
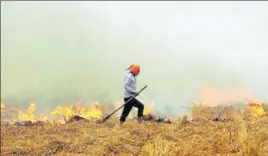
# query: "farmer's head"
{"points": [[134, 69]]}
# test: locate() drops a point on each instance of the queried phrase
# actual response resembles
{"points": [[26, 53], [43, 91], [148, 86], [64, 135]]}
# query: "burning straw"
{"points": [[238, 136]]}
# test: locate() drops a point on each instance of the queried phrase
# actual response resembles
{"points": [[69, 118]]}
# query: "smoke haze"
{"points": [[59, 52]]}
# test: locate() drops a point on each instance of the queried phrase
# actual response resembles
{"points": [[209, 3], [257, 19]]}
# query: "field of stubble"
{"points": [[199, 137]]}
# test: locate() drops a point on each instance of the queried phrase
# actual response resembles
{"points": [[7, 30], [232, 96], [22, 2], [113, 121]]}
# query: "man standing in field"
{"points": [[130, 91]]}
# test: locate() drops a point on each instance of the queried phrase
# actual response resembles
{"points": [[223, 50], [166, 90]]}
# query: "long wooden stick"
{"points": [[107, 117]]}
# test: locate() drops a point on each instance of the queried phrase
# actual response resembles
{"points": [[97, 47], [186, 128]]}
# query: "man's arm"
{"points": [[128, 83]]}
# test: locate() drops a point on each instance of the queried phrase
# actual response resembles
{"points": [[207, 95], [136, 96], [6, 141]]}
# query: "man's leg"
{"points": [[140, 106], [126, 110]]}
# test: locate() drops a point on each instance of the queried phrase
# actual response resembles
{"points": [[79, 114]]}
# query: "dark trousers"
{"points": [[127, 108]]}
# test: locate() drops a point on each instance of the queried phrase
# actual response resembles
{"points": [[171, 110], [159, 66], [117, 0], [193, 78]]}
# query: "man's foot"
{"points": [[153, 119], [139, 119]]}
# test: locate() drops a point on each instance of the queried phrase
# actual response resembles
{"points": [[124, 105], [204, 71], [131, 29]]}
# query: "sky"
{"points": [[56, 53]]}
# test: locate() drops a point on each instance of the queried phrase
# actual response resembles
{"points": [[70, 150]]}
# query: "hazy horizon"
{"points": [[60, 52]]}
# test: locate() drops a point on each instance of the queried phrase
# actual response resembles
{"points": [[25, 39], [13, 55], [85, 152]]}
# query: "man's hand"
{"points": [[135, 93]]}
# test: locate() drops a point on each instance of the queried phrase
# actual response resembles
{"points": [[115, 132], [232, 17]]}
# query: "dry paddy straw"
{"points": [[200, 137]]}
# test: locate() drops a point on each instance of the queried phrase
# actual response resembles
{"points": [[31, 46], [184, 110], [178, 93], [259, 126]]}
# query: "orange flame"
{"points": [[69, 110], [211, 96], [147, 110], [2, 105], [255, 109], [28, 115]]}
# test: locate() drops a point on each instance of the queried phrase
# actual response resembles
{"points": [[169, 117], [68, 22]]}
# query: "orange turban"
{"points": [[134, 69]]}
